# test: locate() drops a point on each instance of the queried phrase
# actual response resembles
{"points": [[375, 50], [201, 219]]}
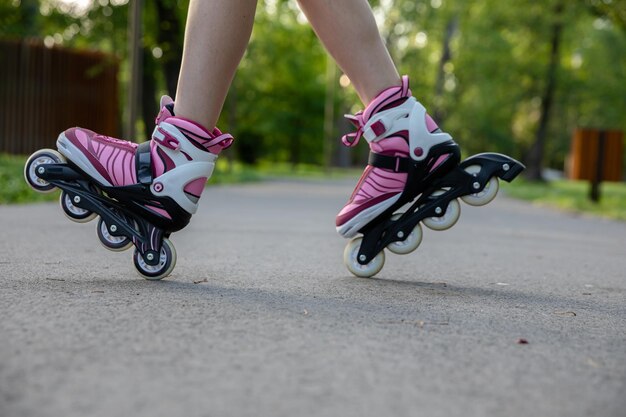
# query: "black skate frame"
{"points": [[382, 231], [121, 206]]}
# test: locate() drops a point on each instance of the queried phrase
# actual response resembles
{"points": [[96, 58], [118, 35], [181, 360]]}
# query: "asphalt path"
{"points": [[516, 311]]}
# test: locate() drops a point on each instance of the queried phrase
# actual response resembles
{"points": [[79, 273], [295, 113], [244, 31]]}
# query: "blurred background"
{"points": [[518, 77]]}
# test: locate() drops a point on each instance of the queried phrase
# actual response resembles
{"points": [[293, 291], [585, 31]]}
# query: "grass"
{"points": [[573, 196], [234, 172], [13, 187], [565, 195]]}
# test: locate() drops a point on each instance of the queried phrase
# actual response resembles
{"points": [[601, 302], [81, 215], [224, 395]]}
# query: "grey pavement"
{"points": [[261, 318]]}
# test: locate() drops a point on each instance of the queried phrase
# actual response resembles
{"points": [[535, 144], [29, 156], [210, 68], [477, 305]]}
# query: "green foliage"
{"points": [[487, 92], [278, 93], [573, 197], [13, 187], [500, 53]]}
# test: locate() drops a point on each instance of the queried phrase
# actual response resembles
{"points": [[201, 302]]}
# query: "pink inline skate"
{"points": [[142, 193], [413, 176]]}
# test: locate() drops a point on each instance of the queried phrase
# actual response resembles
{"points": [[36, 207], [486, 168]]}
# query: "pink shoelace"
{"points": [[352, 139]]}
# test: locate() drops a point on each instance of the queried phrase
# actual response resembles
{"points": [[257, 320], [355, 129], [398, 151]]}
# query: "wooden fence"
{"points": [[44, 91], [587, 152]]}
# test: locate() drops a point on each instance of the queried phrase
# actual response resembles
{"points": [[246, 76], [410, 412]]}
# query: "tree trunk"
{"points": [[329, 111], [135, 58], [170, 40], [149, 108], [534, 159], [294, 146], [168, 35], [446, 56], [29, 10]]}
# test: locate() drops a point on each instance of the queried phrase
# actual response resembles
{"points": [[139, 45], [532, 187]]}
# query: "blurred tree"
{"points": [[534, 159], [614, 10], [163, 46], [498, 80], [280, 87], [20, 18], [498, 74]]}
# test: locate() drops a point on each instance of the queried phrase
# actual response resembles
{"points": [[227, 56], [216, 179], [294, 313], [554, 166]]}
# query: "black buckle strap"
{"points": [[143, 163], [393, 163]]}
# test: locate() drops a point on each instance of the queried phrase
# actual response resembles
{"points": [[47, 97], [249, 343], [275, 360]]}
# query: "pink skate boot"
{"points": [[142, 193], [413, 177], [399, 132]]}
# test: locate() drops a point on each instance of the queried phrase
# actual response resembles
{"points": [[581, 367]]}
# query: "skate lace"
{"points": [[114, 141], [375, 129], [352, 139], [223, 140]]}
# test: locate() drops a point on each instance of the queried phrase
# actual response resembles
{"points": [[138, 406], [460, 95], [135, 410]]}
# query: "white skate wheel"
{"points": [[75, 213], [350, 254], [408, 245], [113, 243], [485, 196], [447, 220], [41, 157], [167, 261]]}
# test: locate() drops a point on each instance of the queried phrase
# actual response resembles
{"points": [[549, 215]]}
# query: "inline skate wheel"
{"points": [[114, 243], [486, 195], [447, 220], [410, 243], [41, 157], [350, 255], [75, 213], [167, 261]]}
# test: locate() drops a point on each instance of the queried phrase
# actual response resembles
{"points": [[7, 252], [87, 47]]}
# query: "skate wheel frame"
{"points": [[79, 205], [475, 182]]}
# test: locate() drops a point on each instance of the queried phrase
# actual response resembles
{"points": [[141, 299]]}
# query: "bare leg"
{"points": [[348, 31], [216, 37]]}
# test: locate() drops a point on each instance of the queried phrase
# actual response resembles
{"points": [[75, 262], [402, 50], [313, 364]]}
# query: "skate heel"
{"points": [[495, 164]]}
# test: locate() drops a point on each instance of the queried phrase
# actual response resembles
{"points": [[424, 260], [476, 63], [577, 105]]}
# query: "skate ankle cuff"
{"points": [[375, 130], [409, 117], [165, 139], [390, 121]]}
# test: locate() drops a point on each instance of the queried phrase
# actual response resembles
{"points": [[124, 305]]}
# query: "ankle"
{"points": [[192, 114]]}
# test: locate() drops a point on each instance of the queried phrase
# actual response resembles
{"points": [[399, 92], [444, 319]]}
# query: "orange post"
{"points": [[584, 160]]}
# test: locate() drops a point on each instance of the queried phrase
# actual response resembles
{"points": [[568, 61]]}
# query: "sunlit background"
{"points": [[517, 77]]}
